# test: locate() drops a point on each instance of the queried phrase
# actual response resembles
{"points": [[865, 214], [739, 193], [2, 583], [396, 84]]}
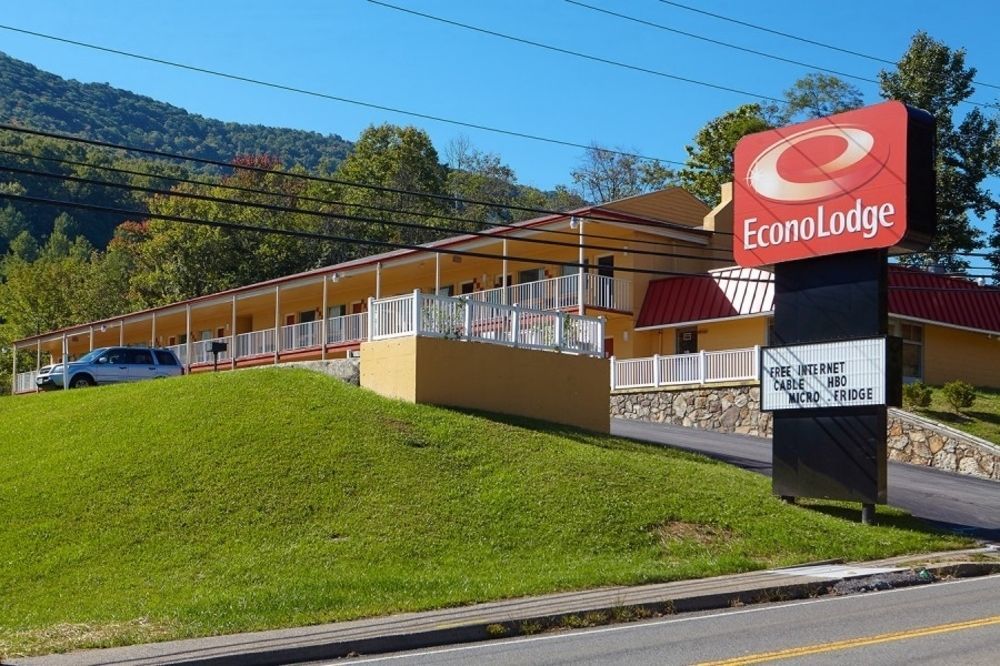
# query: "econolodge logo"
{"points": [[831, 185]]}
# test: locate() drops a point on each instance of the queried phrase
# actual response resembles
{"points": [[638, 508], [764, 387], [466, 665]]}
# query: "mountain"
{"points": [[40, 100]]}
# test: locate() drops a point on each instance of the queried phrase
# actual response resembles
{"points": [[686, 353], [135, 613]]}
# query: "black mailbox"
{"points": [[217, 347]]}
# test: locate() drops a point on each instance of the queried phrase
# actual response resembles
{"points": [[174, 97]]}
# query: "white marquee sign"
{"points": [[830, 374]]}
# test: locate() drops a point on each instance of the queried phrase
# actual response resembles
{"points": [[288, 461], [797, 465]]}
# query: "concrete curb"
{"points": [[491, 621]]}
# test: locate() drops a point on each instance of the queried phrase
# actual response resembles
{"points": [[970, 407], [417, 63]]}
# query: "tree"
{"points": [[933, 77], [172, 261], [710, 159], [483, 177], [814, 96], [606, 175], [403, 161]]}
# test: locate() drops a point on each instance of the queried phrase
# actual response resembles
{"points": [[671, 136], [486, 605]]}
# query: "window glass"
{"points": [[446, 290], [530, 275], [165, 357], [116, 356], [468, 287], [336, 311], [138, 357]]}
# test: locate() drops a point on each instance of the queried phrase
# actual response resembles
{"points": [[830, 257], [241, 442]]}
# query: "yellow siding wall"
{"points": [[733, 334], [561, 388], [950, 354]]}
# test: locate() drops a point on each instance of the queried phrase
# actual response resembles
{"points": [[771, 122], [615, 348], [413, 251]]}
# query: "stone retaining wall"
{"points": [[736, 409], [345, 369], [919, 441]]}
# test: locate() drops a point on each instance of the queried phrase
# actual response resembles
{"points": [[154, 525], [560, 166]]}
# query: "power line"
{"points": [[719, 42], [577, 54], [798, 38], [323, 201], [236, 226], [337, 216], [327, 96], [324, 179], [608, 61]]}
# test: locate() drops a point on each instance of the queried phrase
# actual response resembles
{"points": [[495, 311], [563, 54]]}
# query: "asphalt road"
{"points": [[958, 502], [956, 622]]}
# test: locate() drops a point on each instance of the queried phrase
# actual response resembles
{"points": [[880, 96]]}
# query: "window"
{"points": [[116, 356], [446, 290], [138, 357], [336, 311], [164, 357], [687, 341], [913, 348], [468, 287], [530, 275], [307, 316]]}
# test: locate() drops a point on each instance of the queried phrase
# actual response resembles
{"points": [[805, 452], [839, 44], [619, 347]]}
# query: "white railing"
{"points": [[470, 319], [702, 368], [180, 351], [201, 351], [347, 329], [255, 343], [391, 317], [24, 382], [563, 293], [301, 336]]}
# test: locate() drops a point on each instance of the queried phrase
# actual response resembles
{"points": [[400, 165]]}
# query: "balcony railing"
{"points": [[301, 336], [24, 382], [563, 293], [345, 330], [702, 368], [348, 329], [470, 319]]}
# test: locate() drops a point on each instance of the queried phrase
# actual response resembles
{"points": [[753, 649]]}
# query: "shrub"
{"points": [[917, 394], [959, 395]]}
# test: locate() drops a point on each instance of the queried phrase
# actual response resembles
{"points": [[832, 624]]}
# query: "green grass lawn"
{"points": [[268, 498], [981, 420]]}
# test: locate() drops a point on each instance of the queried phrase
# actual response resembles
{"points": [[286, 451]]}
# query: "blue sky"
{"points": [[359, 50]]}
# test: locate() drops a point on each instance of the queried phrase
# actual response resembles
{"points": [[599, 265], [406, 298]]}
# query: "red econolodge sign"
{"points": [[832, 185]]}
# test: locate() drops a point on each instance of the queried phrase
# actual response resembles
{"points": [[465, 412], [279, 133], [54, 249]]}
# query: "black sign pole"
{"points": [[836, 452]]}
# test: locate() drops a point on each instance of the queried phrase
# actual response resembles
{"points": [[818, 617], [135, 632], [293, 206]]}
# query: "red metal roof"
{"points": [[730, 293], [939, 298], [720, 294]]}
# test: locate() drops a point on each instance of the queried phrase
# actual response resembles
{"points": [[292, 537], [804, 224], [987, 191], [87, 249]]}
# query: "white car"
{"points": [[112, 365]]}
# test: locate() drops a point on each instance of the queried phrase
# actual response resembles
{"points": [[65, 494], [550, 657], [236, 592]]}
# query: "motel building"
{"points": [[659, 329]]}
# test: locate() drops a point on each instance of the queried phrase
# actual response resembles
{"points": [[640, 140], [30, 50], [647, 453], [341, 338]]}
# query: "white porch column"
{"points": [[277, 322], [38, 354], [187, 337], [378, 280], [13, 371], [232, 332], [323, 321], [65, 362], [121, 333], [152, 334], [581, 257], [503, 277], [91, 339], [437, 273]]}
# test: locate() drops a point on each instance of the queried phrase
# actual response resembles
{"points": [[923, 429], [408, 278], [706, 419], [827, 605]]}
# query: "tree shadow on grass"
{"points": [[944, 417]]}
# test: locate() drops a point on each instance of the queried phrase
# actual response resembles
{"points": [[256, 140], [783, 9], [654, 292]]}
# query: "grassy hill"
{"points": [[264, 498], [40, 100]]}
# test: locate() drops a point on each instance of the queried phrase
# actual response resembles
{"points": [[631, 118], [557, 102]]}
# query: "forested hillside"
{"points": [[40, 100]]}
